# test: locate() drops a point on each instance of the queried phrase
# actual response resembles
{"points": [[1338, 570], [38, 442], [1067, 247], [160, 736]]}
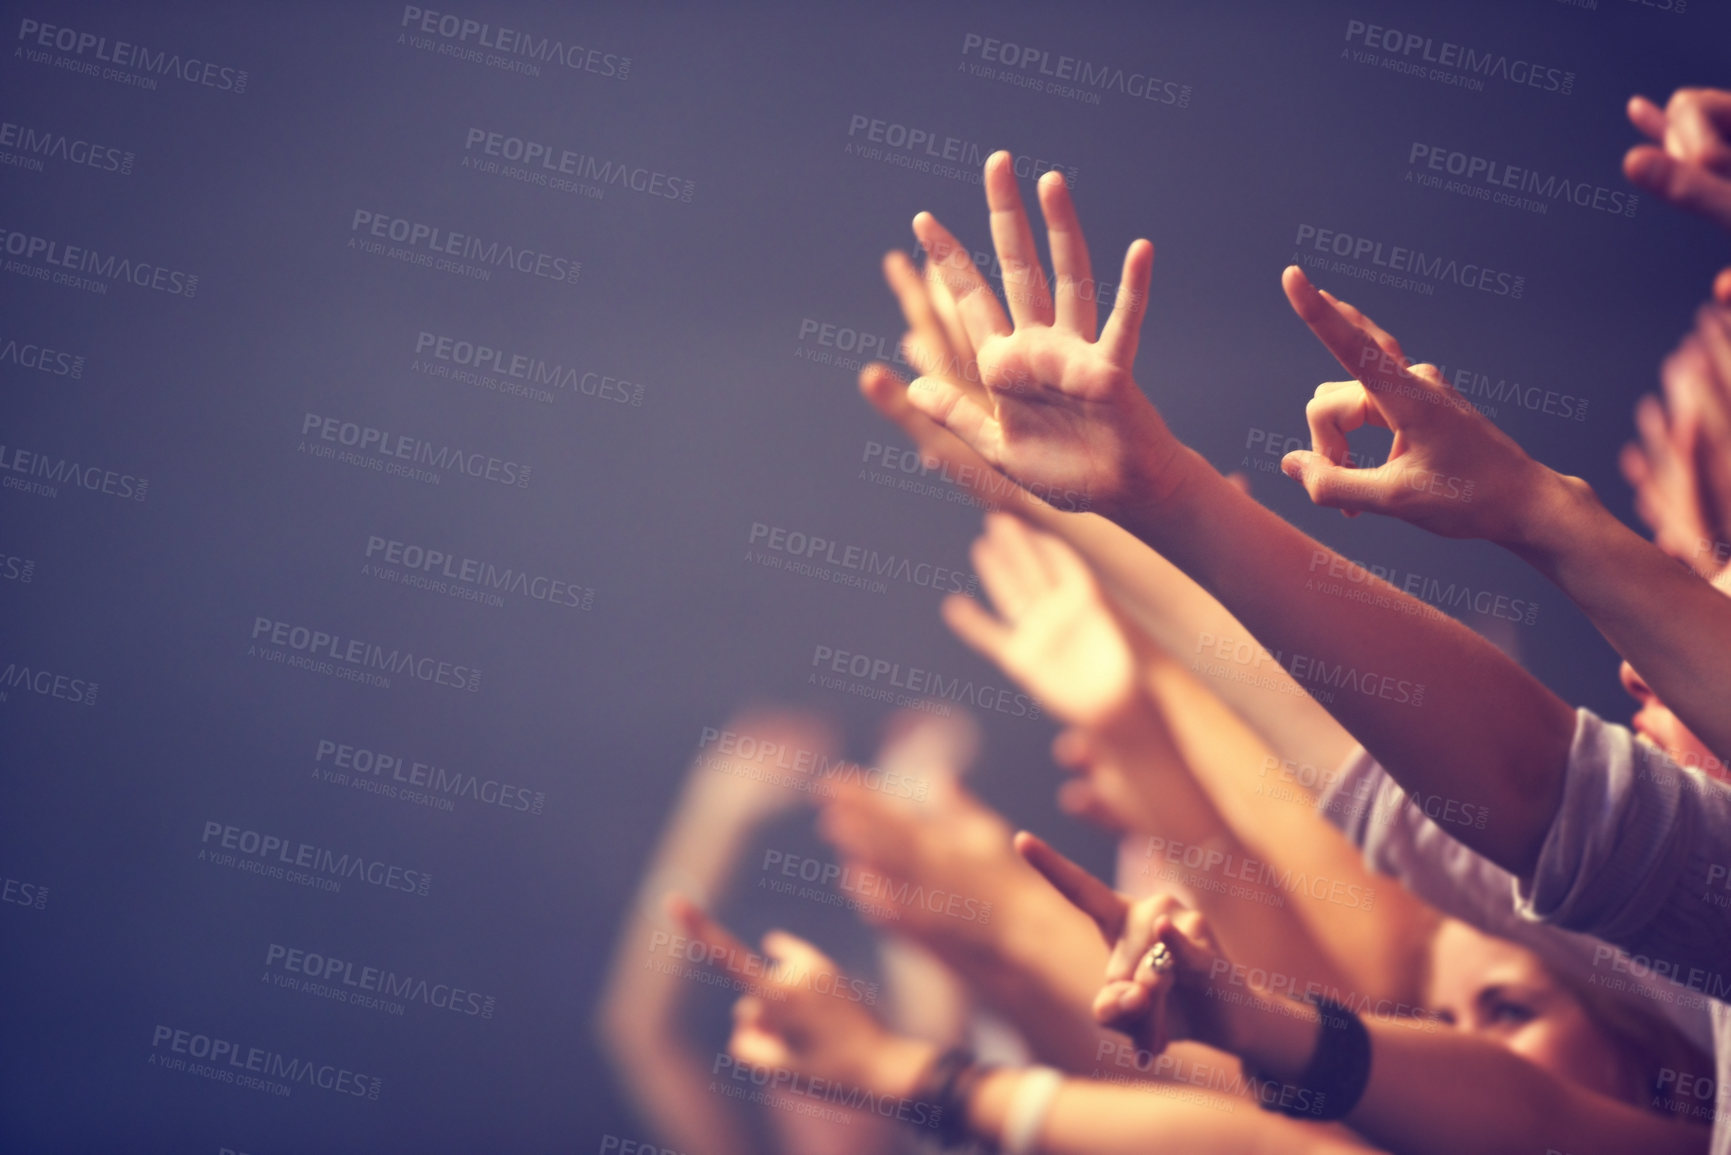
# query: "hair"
{"points": [[1656, 1054]]}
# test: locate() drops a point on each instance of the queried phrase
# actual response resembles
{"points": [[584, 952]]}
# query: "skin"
{"points": [[1516, 1106], [1490, 987], [1060, 412], [1688, 162]]}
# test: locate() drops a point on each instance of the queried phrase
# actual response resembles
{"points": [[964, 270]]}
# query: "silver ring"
{"points": [[1159, 959]]}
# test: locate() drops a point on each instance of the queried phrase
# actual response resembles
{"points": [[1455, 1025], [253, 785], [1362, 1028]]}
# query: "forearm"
{"points": [[1375, 942], [1177, 612], [1446, 712], [1096, 1118], [1669, 623], [1439, 1092], [1258, 904]]}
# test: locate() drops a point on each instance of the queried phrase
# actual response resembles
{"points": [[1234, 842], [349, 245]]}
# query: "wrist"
{"points": [[1554, 518], [895, 1065]]}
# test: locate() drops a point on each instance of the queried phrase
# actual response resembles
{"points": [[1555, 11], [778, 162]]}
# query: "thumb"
{"points": [[1688, 186], [1332, 486]]}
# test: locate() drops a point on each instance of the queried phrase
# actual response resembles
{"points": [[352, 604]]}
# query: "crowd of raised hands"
{"points": [[1378, 887]]}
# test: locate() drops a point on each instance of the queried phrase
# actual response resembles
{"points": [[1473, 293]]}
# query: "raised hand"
{"points": [[1450, 470], [809, 1017], [1152, 1004], [1055, 631], [1689, 164], [1668, 465], [1056, 409]]}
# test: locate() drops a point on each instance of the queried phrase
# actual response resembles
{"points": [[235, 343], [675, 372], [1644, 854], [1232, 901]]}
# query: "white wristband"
{"points": [[1029, 1104]]}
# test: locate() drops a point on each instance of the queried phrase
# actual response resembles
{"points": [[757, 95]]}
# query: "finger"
{"points": [[1024, 279], [970, 622], [1189, 936], [1333, 414], [1355, 348], [1058, 558], [1085, 892], [1722, 287], [1383, 338], [1016, 538], [982, 316], [1647, 117], [1080, 798], [932, 349], [1694, 130], [1334, 487], [1074, 292], [959, 351], [1002, 577], [1074, 749], [1123, 331], [1240, 481], [1688, 186], [699, 927], [950, 405]]}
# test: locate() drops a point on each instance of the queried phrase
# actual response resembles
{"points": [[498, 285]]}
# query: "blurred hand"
{"points": [[752, 769], [1152, 1007], [804, 1022], [1055, 632], [1689, 164], [1450, 470], [1669, 465], [1056, 409]]}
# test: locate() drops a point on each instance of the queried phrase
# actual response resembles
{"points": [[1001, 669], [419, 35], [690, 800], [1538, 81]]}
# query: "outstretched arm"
{"points": [[1453, 472], [790, 1029], [1180, 615], [1162, 756], [1490, 1099], [1445, 711]]}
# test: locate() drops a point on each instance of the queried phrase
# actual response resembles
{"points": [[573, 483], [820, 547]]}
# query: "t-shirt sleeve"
{"points": [[1637, 856]]}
